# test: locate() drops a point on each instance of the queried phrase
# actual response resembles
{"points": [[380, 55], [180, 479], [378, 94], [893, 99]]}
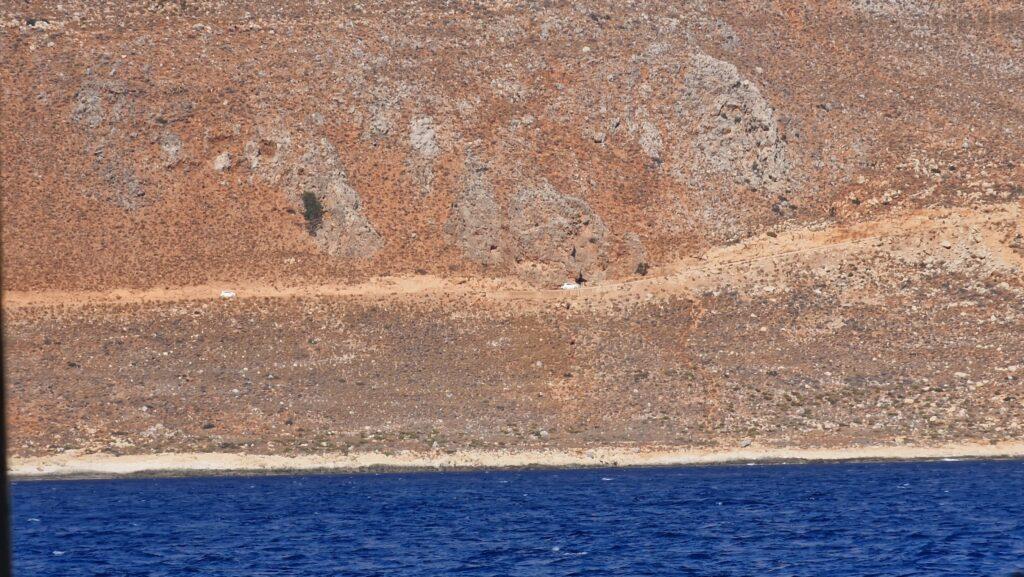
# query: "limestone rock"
{"points": [[423, 137], [733, 159], [475, 222], [561, 233], [170, 145], [308, 165], [737, 136], [222, 162]]}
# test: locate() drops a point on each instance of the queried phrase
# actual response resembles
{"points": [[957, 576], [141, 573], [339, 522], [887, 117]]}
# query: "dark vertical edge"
{"points": [[6, 551]]}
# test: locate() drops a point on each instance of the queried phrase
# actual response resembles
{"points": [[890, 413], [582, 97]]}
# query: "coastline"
{"points": [[100, 465]]}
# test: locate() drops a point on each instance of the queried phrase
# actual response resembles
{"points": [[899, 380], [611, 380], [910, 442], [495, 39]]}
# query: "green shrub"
{"points": [[314, 212]]}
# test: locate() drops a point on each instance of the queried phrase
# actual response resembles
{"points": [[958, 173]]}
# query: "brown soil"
{"points": [[794, 224]]}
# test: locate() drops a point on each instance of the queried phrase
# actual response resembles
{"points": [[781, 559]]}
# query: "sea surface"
{"points": [[918, 518]]}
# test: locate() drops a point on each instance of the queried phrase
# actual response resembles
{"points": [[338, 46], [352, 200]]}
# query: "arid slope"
{"points": [[794, 225]]}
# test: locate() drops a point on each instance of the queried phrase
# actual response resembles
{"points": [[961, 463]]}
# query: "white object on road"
{"points": [[227, 294], [570, 286]]}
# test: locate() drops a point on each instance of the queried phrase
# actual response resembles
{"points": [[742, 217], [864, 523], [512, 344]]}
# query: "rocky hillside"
{"points": [[788, 218], [176, 143]]}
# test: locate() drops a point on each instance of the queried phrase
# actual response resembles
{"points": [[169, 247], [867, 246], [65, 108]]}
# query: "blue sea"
{"points": [[918, 518]]}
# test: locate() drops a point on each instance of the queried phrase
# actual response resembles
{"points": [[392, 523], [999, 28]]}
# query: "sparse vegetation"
{"points": [[313, 211]]}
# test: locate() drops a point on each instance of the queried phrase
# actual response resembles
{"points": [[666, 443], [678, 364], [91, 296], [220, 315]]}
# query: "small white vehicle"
{"points": [[570, 286], [227, 294]]}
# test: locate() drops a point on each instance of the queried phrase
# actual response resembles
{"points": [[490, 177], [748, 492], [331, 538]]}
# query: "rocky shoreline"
{"points": [[80, 465]]}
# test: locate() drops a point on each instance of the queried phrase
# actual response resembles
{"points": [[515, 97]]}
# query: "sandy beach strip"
{"points": [[78, 465]]}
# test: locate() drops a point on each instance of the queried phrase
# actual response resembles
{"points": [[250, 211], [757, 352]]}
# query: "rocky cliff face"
{"points": [[162, 151]]}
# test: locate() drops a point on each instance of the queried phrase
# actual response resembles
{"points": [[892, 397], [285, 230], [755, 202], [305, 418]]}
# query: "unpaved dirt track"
{"points": [[927, 227]]}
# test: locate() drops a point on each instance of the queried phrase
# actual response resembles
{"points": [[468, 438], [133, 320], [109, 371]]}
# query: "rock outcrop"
{"points": [[475, 223], [556, 236], [733, 158], [100, 109], [309, 166]]}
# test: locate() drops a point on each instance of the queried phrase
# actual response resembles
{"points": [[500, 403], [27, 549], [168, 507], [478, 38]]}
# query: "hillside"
{"points": [[793, 225]]}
